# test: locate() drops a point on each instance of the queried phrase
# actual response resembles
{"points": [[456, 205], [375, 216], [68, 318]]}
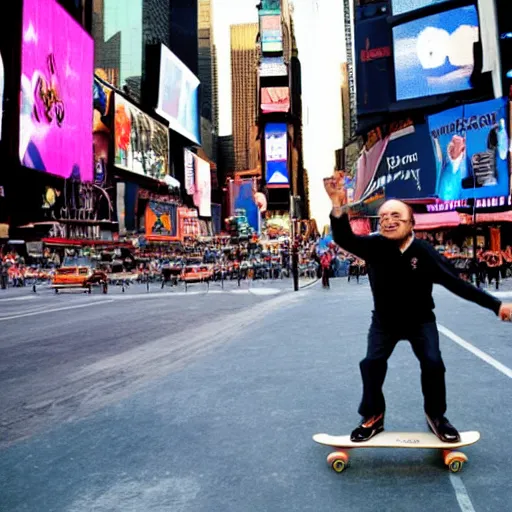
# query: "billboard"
{"points": [[271, 32], [203, 187], [272, 66], [244, 198], [403, 6], [56, 92], [406, 170], [275, 99], [101, 129], [141, 143], [190, 171], [471, 150], [178, 96], [276, 155], [434, 55], [161, 220], [2, 80], [373, 65]]}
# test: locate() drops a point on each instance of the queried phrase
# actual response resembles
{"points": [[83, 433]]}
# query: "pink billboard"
{"points": [[56, 92]]}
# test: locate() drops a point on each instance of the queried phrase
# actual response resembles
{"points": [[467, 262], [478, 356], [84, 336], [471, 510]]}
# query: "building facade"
{"points": [[244, 81]]}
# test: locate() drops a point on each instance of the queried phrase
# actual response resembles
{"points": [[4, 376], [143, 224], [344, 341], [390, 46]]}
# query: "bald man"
{"points": [[402, 271]]}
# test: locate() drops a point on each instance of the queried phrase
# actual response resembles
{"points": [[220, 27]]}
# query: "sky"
{"points": [[321, 44]]}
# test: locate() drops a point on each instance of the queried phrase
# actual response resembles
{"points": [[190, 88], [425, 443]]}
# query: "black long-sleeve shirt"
{"points": [[402, 283]]}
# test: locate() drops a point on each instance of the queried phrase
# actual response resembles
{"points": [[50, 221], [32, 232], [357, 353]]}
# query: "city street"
{"points": [[204, 402]]}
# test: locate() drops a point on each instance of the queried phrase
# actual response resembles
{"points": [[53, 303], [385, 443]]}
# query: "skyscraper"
{"points": [[206, 76], [244, 78]]}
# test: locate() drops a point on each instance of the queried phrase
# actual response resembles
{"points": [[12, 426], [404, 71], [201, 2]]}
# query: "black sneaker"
{"points": [[443, 429], [368, 428]]}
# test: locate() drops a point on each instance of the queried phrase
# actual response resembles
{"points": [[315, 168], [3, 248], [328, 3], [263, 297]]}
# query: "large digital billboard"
{"points": [[403, 6], [273, 66], [56, 92], [141, 143], [275, 99], [276, 155], [178, 96], [434, 55], [471, 149], [271, 33], [373, 65], [203, 187]]}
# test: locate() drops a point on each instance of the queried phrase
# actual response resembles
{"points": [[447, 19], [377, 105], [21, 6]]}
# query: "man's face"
{"points": [[395, 220]]}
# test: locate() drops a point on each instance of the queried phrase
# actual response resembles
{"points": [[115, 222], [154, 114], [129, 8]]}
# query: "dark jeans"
{"points": [[325, 277], [382, 340]]}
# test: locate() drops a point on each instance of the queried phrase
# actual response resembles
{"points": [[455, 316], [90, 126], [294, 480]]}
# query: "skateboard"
{"points": [[454, 459]]}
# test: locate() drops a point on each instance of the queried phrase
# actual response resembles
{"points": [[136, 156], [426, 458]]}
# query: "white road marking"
{"points": [[13, 299], [55, 310], [461, 493], [476, 351]]}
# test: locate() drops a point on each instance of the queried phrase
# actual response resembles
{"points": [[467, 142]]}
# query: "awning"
{"points": [[426, 221], [69, 242], [494, 217]]}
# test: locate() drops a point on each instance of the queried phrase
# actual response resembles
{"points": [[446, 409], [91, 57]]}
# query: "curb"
{"points": [[303, 287]]}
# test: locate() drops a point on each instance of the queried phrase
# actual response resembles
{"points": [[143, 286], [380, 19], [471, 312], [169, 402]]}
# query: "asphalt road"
{"points": [[207, 402]]}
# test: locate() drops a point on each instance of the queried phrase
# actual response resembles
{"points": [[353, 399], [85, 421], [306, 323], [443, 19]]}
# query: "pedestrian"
{"points": [[402, 271], [325, 262]]}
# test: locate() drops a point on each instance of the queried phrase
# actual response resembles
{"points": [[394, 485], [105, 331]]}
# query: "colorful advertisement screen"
{"points": [[273, 66], [276, 155], [403, 6], [56, 92], [1, 93], [471, 148], [434, 55], [178, 96], [161, 220], [275, 99], [373, 65], [101, 129], [203, 187], [243, 199], [141, 143], [271, 34]]}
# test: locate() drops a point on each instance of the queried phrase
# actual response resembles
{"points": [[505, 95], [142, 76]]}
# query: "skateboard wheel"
{"points": [[338, 461], [455, 466]]}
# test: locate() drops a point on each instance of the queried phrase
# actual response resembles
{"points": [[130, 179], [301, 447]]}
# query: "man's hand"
{"points": [[336, 191], [506, 312]]}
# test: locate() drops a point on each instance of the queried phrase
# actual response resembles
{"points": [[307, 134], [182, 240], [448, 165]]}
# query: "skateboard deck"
{"points": [[339, 459]]}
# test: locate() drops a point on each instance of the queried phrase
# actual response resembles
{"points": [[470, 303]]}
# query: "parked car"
{"points": [[79, 273]]}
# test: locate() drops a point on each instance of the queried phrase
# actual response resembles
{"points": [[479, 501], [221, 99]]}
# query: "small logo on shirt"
{"points": [[414, 263]]}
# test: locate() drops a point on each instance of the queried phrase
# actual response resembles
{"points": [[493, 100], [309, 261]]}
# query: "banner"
{"points": [[407, 169], [178, 96], [101, 129], [276, 154], [161, 221], [202, 188], [275, 99], [373, 65], [271, 33], [367, 165], [56, 92], [190, 171], [471, 148], [141, 143]]}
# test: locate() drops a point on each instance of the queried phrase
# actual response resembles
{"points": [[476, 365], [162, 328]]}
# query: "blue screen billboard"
{"points": [[434, 55], [276, 155], [471, 148]]}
